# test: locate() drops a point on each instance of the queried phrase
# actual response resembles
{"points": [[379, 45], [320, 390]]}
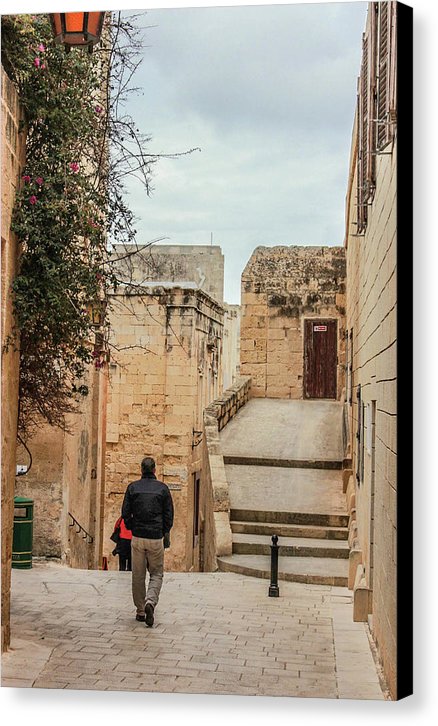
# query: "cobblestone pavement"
{"points": [[215, 633]]}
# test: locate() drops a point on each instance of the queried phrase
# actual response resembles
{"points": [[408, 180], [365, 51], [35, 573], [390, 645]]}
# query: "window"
{"points": [[366, 125], [386, 73], [196, 494], [347, 367], [376, 100], [360, 436]]}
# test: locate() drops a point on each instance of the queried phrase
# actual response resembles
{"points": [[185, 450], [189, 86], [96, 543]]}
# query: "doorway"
{"points": [[320, 358]]}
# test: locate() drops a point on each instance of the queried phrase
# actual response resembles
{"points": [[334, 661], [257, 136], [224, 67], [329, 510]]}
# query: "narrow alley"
{"points": [[214, 633]]}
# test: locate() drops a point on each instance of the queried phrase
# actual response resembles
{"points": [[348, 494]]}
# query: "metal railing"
{"points": [[85, 535]]}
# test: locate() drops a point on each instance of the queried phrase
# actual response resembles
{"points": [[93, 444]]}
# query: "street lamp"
{"points": [[77, 29]]}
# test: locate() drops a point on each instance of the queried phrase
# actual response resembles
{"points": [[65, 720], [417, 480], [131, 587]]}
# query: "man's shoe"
{"points": [[141, 618], [149, 610]]}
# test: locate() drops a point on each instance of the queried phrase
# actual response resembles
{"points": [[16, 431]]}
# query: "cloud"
{"points": [[268, 93]]}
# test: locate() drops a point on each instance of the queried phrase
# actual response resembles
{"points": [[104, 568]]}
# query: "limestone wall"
{"points": [[371, 318], [84, 475], [215, 501], [66, 478], [190, 265], [44, 485], [165, 368], [231, 345], [12, 161], [281, 287]]}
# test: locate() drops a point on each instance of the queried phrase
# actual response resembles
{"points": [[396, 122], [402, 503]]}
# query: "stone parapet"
{"points": [[215, 500]]}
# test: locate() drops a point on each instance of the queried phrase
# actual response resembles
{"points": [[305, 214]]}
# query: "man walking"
{"points": [[147, 511]]}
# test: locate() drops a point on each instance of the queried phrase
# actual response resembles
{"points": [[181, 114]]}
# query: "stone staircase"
{"points": [[312, 548], [301, 501]]}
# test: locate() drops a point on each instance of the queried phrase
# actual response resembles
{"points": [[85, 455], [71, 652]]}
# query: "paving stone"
{"points": [[301, 645], [16, 683]]}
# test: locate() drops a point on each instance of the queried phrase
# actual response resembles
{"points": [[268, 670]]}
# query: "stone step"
{"points": [[281, 462], [251, 515], [290, 530], [253, 544], [311, 570]]}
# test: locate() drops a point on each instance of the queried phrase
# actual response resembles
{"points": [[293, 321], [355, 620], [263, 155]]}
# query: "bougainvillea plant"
{"points": [[80, 146]]}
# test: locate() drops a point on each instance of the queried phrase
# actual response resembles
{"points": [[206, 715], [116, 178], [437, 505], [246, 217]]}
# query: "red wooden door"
{"points": [[320, 358]]}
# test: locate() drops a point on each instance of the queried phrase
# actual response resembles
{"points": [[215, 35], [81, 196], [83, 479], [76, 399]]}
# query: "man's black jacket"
{"points": [[148, 508]]}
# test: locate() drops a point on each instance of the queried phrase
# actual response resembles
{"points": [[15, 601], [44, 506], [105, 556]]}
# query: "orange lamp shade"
{"points": [[77, 29]]}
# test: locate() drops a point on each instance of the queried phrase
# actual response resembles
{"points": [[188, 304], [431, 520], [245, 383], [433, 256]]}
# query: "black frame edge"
{"points": [[405, 350]]}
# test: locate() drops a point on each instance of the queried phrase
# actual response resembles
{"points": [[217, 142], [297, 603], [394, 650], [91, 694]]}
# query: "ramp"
{"points": [[283, 463]]}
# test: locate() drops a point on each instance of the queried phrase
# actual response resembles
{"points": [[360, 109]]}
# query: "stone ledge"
{"points": [[217, 498], [286, 463]]}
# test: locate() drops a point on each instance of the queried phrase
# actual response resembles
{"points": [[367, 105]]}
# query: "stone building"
{"points": [[293, 318], [12, 160], [231, 345], [66, 470], [66, 481], [202, 266], [371, 366], [166, 367]]}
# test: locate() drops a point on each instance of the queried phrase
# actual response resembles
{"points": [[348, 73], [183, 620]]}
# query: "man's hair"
{"points": [[147, 465]]}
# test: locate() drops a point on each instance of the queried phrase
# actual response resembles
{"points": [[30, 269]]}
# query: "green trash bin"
{"points": [[23, 533]]}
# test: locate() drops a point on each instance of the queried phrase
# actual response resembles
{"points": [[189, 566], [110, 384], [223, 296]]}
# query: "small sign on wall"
{"points": [[320, 328]]}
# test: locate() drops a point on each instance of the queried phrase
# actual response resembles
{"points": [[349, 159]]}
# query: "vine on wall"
{"points": [[80, 146]]}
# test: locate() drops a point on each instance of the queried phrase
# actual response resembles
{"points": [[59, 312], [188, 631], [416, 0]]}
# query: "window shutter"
{"points": [[365, 112], [361, 209], [393, 66], [362, 156], [383, 95], [372, 95], [366, 115]]}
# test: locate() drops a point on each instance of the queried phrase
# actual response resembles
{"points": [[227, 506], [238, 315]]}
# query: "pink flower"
{"points": [[33, 199], [43, 65], [98, 109], [40, 181], [74, 166], [41, 47], [26, 178], [36, 62]]}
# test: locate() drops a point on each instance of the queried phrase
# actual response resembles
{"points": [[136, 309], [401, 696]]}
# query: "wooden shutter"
{"points": [[371, 100], [393, 66], [383, 95], [366, 114], [362, 128]]}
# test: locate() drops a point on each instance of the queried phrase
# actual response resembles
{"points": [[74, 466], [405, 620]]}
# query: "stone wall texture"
{"points": [[166, 367], [215, 500], [231, 346], [189, 265], [281, 287], [66, 478], [12, 161], [371, 322]]}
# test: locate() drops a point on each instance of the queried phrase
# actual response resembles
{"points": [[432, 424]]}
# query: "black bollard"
{"points": [[273, 587]]}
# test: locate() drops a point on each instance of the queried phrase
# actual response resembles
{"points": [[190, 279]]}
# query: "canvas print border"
{"points": [[251, 453]]}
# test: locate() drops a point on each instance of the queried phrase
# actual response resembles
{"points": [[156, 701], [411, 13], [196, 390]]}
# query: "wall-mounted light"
{"points": [[77, 29]]}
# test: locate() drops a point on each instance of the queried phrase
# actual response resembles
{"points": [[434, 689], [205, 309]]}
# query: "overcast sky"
{"points": [[268, 93]]}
